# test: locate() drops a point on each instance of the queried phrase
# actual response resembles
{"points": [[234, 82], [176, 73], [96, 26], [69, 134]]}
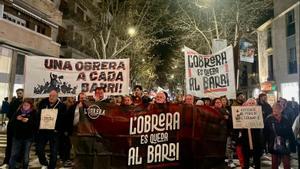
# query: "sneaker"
{"points": [[232, 165], [44, 167], [4, 166]]}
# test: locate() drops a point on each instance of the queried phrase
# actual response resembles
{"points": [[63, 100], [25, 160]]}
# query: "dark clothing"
{"points": [[20, 146], [51, 136], [23, 133], [9, 140], [290, 112], [266, 109], [283, 128], [276, 160], [14, 106], [24, 130], [42, 138], [243, 141], [91, 150], [60, 121], [5, 107], [64, 147], [64, 138]]}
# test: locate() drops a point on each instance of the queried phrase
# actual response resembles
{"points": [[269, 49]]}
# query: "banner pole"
{"points": [[250, 139]]}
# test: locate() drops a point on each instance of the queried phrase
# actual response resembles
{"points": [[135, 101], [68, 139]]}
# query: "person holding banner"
{"points": [[138, 97], [248, 142], [280, 138], [50, 122], [23, 124], [189, 99], [88, 143]]}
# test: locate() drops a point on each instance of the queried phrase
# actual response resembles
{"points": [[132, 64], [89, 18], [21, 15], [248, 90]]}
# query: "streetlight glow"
{"points": [[131, 31]]}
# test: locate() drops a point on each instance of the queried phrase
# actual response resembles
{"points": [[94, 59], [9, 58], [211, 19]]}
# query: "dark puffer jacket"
{"points": [[282, 128]]}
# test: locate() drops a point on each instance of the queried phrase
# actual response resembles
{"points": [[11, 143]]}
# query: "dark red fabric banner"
{"points": [[163, 135]]}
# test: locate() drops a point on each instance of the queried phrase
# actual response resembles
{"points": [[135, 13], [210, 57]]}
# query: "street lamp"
{"points": [[131, 31]]}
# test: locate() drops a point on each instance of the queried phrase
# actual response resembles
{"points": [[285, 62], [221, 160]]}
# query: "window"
{"points": [[292, 61], [14, 19], [270, 68], [20, 64], [5, 67], [269, 38], [290, 20]]}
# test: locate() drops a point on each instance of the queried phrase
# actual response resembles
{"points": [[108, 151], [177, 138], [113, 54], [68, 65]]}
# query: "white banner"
{"points": [[210, 75], [246, 117], [72, 76]]}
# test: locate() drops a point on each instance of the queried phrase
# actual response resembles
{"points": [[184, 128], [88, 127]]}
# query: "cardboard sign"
{"points": [[48, 119], [247, 117]]}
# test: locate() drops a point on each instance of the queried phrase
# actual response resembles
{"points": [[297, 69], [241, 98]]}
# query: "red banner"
{"points": [[163, 136]]}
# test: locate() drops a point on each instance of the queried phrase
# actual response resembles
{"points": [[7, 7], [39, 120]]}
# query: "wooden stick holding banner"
{"points": [[247, 117], [250, 139]]}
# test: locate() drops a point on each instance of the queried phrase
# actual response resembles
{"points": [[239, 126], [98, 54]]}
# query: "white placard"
{"points": [[247, 117], [48, 119], [210, 75]]}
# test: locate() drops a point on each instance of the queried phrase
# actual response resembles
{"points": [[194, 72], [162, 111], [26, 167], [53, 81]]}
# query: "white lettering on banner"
{"points": [[154, 122], [94, 111], [154, 131], [163, 153]]}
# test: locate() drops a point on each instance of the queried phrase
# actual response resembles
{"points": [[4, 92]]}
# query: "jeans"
{"points": [[43, 138], [17, 146]]}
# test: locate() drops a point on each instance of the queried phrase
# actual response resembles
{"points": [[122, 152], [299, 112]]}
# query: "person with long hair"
{"points": [[23, 123]]}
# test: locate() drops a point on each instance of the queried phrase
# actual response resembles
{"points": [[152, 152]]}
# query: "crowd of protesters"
{"points": [[281, 127]]}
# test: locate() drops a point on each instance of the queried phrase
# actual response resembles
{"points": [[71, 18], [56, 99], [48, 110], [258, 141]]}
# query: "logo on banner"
{"points": [[94, 111]]}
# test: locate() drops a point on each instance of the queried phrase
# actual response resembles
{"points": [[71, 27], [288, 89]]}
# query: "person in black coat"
{"points": [[23, 124], [279, 130], [265, 106], [13, 107], [49, 133]]}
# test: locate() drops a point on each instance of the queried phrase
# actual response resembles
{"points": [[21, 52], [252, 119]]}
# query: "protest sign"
{"points": [[48, 119], [210, 75], [246, 117], [72, 76]]}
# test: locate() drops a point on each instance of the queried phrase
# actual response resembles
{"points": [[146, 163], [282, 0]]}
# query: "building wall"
{"points": [[49, 8], [27, 39], [280, 50], [282, 5], [263, 54], [279, 47]]}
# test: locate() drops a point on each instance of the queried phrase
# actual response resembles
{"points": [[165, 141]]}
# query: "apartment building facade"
{"points": [[279, 51], [28, 27]]}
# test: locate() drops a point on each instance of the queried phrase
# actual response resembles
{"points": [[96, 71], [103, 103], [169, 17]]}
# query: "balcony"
{"points": [[19, 36]]}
